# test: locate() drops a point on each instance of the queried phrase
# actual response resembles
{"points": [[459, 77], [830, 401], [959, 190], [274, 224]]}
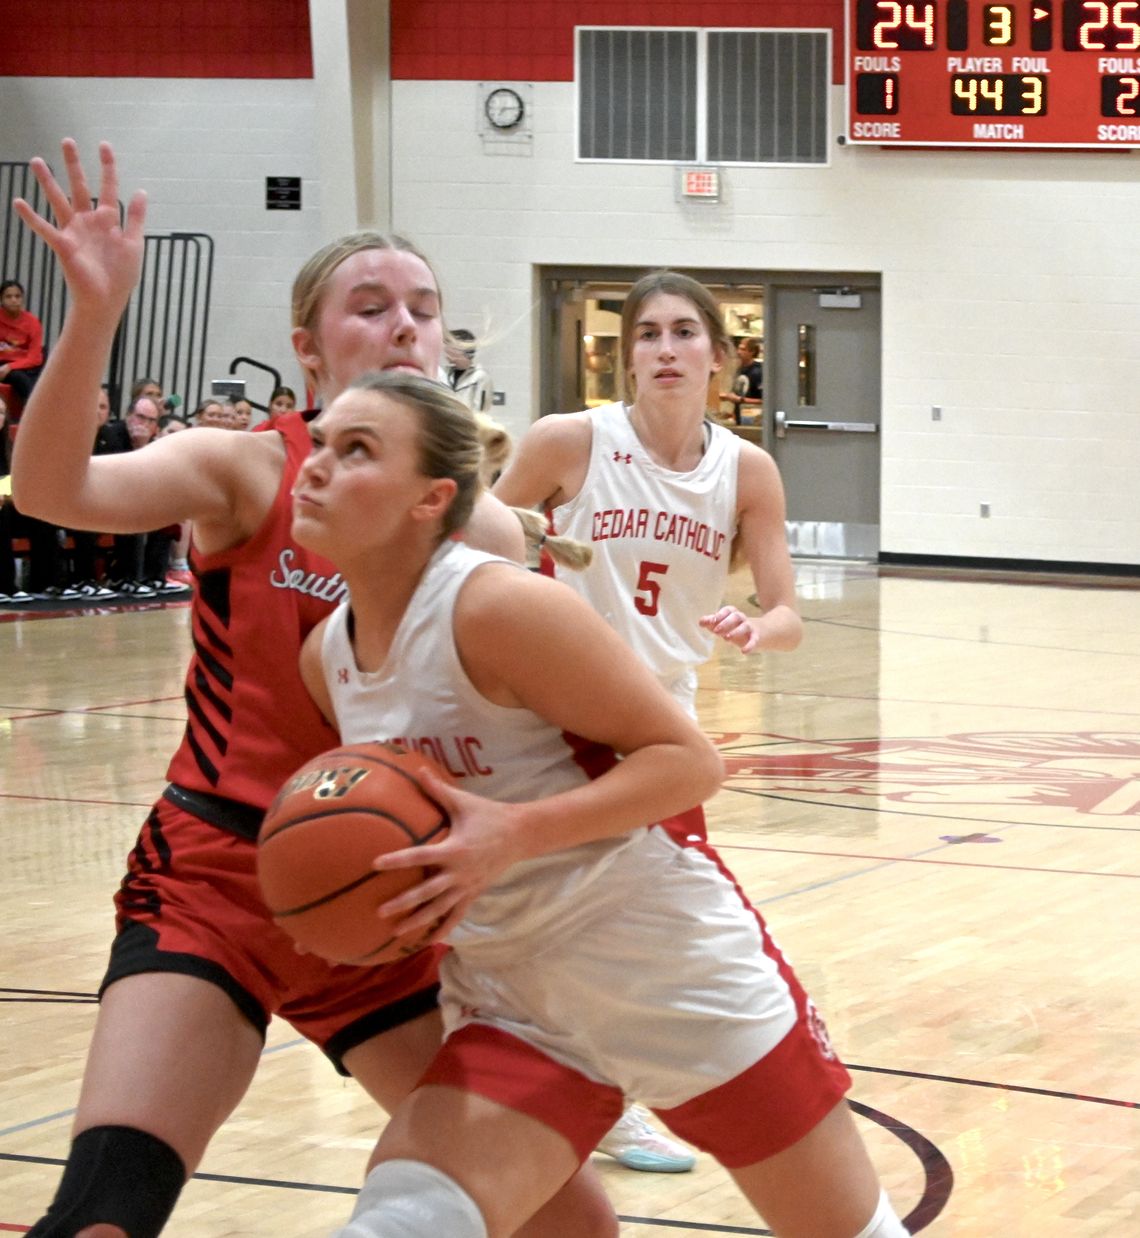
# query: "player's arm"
{"points": [[496, 530], [312, 671], [530, 642], [54, 475], [760, 517], [549, 464], [208, 476]]}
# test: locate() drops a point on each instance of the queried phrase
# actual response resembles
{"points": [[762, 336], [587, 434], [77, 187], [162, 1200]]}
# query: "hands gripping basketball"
{"points": [[335, 863], [484, 841], [99, 258]]}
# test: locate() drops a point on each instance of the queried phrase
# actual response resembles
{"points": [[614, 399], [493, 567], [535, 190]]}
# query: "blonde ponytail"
{"points": [[565, 551], [497, 446]]}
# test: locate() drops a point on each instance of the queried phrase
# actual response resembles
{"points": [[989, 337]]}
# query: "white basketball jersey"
{"points": [[421, 698], [662, 542]]}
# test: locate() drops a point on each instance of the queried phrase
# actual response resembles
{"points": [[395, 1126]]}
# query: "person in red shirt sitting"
{"points": [[21, 341]]}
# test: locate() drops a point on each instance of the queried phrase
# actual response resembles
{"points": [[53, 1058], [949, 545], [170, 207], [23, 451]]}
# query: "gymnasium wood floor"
{"points": [[935, 802]]}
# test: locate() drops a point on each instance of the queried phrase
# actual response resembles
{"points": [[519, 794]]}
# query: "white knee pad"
{"points": [[408, 1199], [885, 1223]]}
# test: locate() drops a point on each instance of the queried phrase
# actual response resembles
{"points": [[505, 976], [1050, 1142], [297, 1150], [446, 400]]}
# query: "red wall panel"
{"points": [[533, 40], [160, 38]]}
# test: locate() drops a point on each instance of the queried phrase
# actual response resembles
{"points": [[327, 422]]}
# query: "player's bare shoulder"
{"points": [[494, 528], [563, 438], [758, 483], [550, 462], [571, 429]]}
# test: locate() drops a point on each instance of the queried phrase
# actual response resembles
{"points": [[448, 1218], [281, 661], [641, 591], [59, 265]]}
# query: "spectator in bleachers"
{"points": [[180, 551], [168, 404], [111, 436], [149, 387], [142, 559], [171, 423], [142, 420], [10, 593], [243, 413], [470, 382], [283, 400], [111, 433], [46, 567], [5, 441], [214, 413], [21, 341]]}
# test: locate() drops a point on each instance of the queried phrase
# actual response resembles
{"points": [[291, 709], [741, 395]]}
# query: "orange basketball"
{"points": [[330, 820]]}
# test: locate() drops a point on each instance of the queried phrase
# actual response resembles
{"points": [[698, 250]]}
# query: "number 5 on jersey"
{"points": [[647, 585]]}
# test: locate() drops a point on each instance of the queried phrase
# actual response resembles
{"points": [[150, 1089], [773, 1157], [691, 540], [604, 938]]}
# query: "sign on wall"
{"points": [[282, 193]]}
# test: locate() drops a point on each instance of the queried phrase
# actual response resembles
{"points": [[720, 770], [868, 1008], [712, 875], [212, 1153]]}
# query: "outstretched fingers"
{"points": [[136, 214], [76, 177], [100, 253], [57, 200], [109, 176], [38, 225], [64, 207]]}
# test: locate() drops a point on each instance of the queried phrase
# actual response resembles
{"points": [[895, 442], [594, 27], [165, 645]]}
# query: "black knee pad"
{"points": [[117, 1175]]}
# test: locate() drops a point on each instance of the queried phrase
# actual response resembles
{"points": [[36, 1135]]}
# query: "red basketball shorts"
{"points": [[190, 904], [664, 985]]}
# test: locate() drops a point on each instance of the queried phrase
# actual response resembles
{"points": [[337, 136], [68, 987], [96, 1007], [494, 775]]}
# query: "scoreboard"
{"points": [[1062, 73]]}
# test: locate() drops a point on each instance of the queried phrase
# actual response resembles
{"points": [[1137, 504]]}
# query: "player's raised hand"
{"points": [[99, 258]]}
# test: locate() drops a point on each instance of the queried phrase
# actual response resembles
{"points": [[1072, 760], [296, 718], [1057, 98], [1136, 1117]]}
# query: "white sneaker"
{"points": [[635, 1144], [93, 589], [137, 589]]}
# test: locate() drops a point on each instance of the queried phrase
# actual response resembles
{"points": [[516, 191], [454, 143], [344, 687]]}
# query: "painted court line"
{"points": [[916, 859]]}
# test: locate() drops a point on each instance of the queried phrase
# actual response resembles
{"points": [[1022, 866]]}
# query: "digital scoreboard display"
{"points": [[965, 73]]}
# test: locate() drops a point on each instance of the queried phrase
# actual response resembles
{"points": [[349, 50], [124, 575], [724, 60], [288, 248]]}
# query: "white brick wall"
{"points": [[1011, 298], [202, 150], [1011, 282]]}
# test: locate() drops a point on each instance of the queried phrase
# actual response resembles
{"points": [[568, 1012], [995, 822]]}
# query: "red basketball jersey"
{"points": [[250, 720]]}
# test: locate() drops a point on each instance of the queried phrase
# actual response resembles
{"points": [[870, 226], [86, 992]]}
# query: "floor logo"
{"points": [[1092, 772]]}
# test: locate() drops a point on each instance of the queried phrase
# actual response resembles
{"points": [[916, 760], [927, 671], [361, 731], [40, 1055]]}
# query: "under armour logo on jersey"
{"points": [[623, 459], [342, 674]]}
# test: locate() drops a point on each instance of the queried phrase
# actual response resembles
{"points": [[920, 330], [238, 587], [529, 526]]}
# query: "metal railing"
{"points": [[164, 330], [274, 374], [23, 256]]}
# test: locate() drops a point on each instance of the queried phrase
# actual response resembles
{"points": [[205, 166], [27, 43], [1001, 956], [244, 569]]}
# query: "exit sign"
{"points": [[702, 184]]}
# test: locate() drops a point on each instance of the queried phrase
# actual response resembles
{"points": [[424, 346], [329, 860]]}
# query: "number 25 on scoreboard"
{"points": [[1094, 26]]}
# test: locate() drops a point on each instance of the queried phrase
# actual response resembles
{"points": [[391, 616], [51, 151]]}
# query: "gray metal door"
{"points": [[822, 413]]}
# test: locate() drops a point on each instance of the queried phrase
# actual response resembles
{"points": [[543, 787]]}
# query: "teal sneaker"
{"points": [[632, 1142]]}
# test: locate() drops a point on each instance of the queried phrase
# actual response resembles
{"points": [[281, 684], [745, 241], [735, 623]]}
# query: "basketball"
{"points": [[329, 821]]}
